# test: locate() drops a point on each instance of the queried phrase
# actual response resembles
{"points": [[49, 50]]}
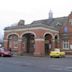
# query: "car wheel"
{"points": [[51, 56], [2, 55]]}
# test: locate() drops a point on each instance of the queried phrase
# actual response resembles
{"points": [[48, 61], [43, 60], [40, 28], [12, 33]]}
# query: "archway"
{"points": [[28, 43], [48, 43], [13, 43]]}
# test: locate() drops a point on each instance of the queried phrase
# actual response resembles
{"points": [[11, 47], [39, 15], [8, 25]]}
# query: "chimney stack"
{"points": [[21, 22]]}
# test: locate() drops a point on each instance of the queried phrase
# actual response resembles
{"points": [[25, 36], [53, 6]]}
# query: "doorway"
{"points": [[48, 43], [29, 42]]}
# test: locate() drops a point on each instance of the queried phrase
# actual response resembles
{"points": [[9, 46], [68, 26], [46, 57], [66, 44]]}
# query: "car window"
{"points": [[2, 49], [58, 50], [5, 49]]}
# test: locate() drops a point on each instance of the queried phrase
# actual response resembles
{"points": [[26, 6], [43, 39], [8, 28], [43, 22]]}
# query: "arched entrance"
{"points": [[13, 43], [48, 43], [28, 43]]}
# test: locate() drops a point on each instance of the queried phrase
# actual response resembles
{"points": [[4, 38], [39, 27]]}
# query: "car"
{"points": [[57, 53], [5, 52]]}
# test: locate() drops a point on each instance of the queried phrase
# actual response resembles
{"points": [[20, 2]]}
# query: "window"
{"points": [[13, 41], [65, 29], [70, 21], [65, 44]]}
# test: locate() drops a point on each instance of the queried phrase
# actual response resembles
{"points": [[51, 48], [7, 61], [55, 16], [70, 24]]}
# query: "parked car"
{"points": [[57, 53], [5, 52]]}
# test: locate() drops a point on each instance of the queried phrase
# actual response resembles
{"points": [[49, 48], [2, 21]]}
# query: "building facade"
{"points": [[40, 37]]}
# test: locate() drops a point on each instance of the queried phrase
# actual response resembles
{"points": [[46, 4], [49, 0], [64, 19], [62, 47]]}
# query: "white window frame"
{"points": [[65, 43], [70, 21]]}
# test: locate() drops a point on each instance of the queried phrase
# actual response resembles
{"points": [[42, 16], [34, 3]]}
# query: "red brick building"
{"points": [[41, 36]]}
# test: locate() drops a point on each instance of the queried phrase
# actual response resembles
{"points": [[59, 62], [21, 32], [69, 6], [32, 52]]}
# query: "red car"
{"points": [[5, 52]]}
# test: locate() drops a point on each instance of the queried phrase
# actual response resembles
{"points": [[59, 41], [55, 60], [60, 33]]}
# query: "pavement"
{"points": [[68, 55]]}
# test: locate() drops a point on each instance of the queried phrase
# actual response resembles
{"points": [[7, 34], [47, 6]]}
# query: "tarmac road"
{"points": [[35, 64]]}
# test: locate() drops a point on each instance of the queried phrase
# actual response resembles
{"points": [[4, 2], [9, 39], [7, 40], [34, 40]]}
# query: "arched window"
{"points": [[65, 29], [13, 41]]}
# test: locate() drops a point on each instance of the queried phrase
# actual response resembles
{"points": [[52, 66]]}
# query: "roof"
{"points": [[53, 23]]}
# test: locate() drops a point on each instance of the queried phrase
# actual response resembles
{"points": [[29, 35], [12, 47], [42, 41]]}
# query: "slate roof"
{"points": [[54, 23]]}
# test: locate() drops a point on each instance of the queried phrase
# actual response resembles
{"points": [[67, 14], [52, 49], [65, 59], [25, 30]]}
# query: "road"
{"points": [[35, 64]]}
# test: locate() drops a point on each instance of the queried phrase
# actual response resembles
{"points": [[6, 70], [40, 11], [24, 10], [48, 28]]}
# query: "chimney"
{"points": [[21, 22]]}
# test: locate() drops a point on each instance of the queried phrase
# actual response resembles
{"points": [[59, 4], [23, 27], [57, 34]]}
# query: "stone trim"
{"points": [[48, 33], [34, 28], [28, 32], [5, 40], [12, 34], [19, 40], [39, 39]]}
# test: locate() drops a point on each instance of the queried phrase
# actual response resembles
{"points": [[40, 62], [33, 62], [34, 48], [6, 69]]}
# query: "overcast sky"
{"points": [[11, 11]]}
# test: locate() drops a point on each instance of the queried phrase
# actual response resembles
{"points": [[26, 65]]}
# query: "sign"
{"points": [[65, 29]]}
